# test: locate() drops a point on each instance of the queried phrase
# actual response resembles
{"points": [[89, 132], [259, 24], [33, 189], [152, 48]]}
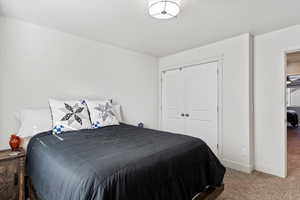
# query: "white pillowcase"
{"points": [[24, 142], [102, 113], [69, 115], [117, 111], [34, 121]]}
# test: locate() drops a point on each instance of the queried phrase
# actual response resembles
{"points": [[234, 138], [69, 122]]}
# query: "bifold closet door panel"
{"points": [[173, 101], [201, 100]]}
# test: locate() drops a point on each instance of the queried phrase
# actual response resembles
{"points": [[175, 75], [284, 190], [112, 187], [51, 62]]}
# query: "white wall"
{"points": [[270, 129], [37, 63], [237, 80]]}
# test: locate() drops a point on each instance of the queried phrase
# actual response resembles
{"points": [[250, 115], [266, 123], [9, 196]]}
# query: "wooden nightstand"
{"points": [[12, 169]]}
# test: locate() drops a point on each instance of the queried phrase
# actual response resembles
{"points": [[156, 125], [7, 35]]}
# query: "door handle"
{"points": [[187, 115]]}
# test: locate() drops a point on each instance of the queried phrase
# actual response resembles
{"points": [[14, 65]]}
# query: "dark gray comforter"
{"points": [[121, 163]]}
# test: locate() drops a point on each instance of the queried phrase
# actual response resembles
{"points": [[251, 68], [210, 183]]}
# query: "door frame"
{"points": [[220, 60], [284, 54]]}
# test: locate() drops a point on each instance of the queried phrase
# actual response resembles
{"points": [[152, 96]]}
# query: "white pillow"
{"points": [[34, 121], [24, 142], [117, 107], [117, 111], [69, 115], [102, 113]]}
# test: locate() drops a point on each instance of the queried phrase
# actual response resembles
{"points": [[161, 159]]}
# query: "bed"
{"points": [[292, 118], [122, 163]]}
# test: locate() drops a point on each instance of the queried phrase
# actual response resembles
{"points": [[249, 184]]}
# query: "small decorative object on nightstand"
{"points": [[14, 142], [12, 164]]}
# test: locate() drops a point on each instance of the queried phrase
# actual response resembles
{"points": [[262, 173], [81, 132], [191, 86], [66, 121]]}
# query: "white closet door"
{"points": [[172, 101], [201, 100]]}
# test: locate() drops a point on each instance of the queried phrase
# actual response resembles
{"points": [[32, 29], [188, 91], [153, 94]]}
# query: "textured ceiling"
{"points": [[125, 23]]}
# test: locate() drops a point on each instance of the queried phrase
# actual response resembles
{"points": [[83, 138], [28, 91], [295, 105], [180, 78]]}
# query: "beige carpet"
{"points": [[256, 186]]}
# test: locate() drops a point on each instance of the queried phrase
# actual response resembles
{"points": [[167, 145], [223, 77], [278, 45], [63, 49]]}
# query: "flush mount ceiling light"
{"points": [[164, 9]]}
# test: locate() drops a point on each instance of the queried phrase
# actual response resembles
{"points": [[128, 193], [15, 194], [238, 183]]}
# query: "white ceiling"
{"points": [[125, 23]]}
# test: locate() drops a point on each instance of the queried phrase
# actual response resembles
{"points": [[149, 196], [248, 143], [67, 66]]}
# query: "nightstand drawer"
{"points": [[9, 188], [12, 167], [9, 191]]}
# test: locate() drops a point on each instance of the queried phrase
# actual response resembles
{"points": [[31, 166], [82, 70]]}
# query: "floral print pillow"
{"points": [[102, 113], [69, 115]]}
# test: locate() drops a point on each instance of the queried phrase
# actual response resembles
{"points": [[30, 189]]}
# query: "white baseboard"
{"points": [[249, 169], [270, 170], [237, 166]]}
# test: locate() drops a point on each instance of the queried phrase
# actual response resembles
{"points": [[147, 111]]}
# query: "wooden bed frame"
{"points": [[210, 193]]}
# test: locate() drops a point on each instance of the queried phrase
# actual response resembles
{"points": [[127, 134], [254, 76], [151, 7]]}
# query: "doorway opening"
{"points": [[293, 111]]}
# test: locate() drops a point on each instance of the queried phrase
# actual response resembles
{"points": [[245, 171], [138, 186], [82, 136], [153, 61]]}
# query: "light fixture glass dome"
{"points": [[164, 9]]}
